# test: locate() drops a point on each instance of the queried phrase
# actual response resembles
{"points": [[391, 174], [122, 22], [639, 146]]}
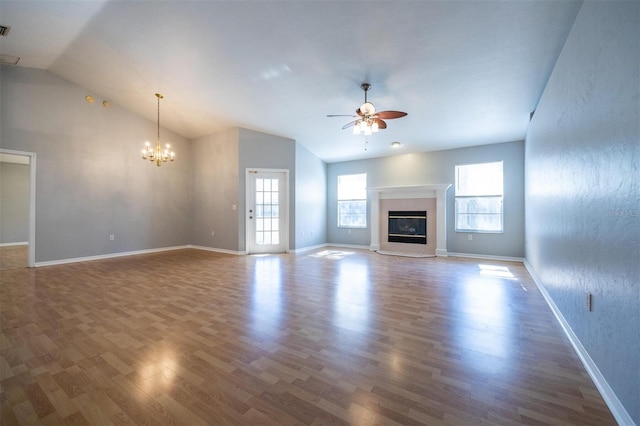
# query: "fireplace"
{"points": [[430, 198], [407, 227]]}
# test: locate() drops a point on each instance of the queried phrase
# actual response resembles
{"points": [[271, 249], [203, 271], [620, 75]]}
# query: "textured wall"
{"points": [[311, 199], [14, 203], [214, 183], [583, 211], [91, 181], [439, 167]]}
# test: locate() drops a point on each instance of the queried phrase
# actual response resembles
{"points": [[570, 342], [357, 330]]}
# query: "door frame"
{"points": [[31, 251], [285, 231]]}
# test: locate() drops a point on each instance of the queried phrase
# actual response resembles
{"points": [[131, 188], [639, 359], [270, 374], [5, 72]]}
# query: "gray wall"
{"points": [[260, 150], [583, 212], [14, 203], [439, 167], [311, 199], [91, 181], [215, 189]]}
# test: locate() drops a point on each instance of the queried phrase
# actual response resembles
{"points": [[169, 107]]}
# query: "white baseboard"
{"points": [[617, 409], [487, 257], [303, 249], [20, 243], [351, 246], [107, 256], [218, 250]]}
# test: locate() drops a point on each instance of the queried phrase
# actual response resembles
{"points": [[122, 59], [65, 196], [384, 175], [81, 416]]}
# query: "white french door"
{"points": [[266, 211]]}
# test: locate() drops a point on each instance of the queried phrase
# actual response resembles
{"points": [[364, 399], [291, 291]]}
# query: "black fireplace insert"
{"points": [[408, 227]]}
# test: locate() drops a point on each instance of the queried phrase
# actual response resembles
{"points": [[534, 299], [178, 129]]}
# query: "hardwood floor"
{"points": [[325, 337], [13, 257]]}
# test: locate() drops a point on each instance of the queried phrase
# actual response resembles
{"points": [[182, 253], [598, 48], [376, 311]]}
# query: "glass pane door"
{"points": [[267, 211], [266, 218]]}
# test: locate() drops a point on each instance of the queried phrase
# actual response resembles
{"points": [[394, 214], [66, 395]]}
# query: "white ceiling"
{"points": [[466, 72]]}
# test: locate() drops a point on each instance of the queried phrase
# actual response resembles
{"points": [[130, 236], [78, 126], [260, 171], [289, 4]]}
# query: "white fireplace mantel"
{"points": [[437, 191]]}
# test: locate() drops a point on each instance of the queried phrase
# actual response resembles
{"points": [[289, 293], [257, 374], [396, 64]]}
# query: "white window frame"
{"points": [[492, 197], [353, 197]]}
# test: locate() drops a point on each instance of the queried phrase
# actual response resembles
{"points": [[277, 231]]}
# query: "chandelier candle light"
{"points": [[158, 154]]}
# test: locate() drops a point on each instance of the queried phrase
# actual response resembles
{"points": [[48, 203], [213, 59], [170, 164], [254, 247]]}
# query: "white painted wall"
{"points": [[582, 192]]}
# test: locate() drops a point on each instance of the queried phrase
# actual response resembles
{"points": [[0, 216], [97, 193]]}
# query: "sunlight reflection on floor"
{"points": [[266, 297], [351, 302], [496, 271], [332, 254]]}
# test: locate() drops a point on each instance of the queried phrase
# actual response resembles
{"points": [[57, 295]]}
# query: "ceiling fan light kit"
{"points": [[367, 120]]}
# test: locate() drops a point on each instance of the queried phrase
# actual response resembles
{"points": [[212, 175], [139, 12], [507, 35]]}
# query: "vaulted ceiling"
{"points": [[466, 72]]}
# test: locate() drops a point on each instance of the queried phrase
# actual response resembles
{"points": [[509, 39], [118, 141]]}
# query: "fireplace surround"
{"points": [[416, 195]]}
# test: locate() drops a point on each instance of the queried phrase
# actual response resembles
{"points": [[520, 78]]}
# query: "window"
{"points": [[479, 197], [352, 201]]}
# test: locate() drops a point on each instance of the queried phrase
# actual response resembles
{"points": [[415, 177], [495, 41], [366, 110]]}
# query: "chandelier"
{"points": [[158, 154]]}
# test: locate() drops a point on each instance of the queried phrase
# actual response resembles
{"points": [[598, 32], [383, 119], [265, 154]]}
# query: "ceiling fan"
{"points": [[367, 120]]}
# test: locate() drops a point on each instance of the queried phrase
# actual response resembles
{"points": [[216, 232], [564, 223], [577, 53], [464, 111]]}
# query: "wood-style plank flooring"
{"points": [[332, 336], [13, 257]]}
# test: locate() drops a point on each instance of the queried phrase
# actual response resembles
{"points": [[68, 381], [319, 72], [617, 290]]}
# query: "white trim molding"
{"points": [[308, 248], [218, 250], [19, 243], [107, 256], [617, 409], [487, 257]]}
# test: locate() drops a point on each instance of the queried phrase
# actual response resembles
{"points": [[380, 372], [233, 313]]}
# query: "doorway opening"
{"points": [[18, 203]]}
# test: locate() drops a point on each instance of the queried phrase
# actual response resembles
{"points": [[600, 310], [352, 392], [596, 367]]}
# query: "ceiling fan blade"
{"points": [[346, 126], [341, 115], [388, 115], [381, 124]]}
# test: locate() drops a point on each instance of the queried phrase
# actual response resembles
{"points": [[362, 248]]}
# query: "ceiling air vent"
{"points": [[4, 31], [8, 59]]}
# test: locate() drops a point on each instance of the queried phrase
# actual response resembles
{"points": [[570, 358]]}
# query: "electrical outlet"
{"points": [[112, 237], [470, 237], [212, 233]]}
